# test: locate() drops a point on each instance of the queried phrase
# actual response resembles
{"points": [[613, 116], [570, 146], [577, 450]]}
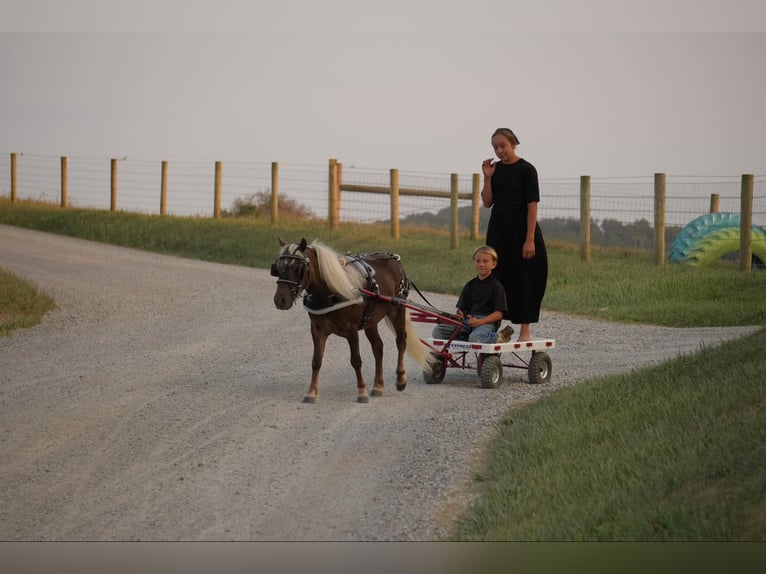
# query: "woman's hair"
{"points": [[507, 133], [485, 249]]}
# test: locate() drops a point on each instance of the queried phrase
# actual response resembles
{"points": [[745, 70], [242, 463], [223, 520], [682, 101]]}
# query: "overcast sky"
{"points": [[604, 88]]}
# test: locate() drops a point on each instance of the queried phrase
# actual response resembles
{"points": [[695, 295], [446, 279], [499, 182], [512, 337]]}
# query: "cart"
{"points": [[488, 359]]}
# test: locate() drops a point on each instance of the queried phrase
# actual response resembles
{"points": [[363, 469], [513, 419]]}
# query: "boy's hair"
{"points": [[485, 249]]}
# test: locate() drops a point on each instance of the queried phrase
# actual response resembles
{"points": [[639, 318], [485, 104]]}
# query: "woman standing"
{"points": [[512, 191]]}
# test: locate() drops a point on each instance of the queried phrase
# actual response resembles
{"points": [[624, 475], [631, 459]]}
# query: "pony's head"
{"points": [[291, 270]]}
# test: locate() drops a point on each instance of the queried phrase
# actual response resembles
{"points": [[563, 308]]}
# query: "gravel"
{"points": [[161, 400]]}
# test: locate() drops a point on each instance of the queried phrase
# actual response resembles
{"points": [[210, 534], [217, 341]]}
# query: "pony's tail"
{"points": [[416, 349]]}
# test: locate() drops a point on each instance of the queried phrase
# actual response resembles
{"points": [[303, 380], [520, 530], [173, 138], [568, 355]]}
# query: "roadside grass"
{"points": [[626, 286], [21, 304], [672, 452], [616, 285]]}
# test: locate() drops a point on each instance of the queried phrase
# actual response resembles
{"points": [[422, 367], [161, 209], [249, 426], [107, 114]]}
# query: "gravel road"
{"points": [[161, 400]]}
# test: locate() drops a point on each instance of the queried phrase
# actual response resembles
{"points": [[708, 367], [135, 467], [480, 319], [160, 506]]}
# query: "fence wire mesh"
{"points": [[190, 190]]}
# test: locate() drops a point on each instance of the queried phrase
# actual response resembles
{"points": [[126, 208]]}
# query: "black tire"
{"points": [[540, 368], [434, 372], [491, 371]]}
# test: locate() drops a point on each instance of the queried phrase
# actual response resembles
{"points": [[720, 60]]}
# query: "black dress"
{"points": [[513, 187]]}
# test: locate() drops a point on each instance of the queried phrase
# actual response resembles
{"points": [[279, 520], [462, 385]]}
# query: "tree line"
{"points": [[606, 233]]}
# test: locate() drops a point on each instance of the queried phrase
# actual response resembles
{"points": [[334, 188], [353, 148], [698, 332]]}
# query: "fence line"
{"points": [[339, 193]]}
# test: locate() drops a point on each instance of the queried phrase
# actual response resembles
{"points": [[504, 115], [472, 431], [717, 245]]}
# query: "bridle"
{"points": [[285, 263]]}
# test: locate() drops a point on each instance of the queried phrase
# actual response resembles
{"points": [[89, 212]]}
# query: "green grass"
{"points": [[673, 452], [627, 286], [617, 285], [21, 304]]}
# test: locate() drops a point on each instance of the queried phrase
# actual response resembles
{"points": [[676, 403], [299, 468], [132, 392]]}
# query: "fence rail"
{"points": [[338, 193]]}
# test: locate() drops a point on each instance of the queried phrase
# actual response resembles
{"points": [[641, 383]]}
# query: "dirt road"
{"points": [[161, 401]]}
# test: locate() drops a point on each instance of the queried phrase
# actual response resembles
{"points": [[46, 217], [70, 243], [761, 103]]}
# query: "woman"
{"points": [[511, 189]]}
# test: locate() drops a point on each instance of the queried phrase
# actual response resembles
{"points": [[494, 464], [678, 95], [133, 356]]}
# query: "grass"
{"points": [[617, 285], [21, 304], [672, 452], [626, 286]]}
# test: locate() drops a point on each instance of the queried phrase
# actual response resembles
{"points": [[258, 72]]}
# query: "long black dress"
{"points": [[513, 187]]}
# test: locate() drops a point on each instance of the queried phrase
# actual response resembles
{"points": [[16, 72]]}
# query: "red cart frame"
{"points": [[487, 359]]}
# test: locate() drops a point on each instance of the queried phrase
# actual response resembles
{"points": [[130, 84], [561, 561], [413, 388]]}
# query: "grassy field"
{"points": [[672, 452], [617, 285]]}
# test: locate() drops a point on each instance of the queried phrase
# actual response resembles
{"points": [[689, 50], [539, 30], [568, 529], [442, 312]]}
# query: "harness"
{"points": [[333, 302], [296, 255]]}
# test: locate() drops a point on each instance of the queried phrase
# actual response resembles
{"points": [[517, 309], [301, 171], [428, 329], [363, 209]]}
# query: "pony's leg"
{"points": [[373, 336], [356, 362], [316, 363], [401, 346]]}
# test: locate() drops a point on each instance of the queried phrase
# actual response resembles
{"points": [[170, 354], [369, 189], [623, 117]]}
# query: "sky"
{"points": [[602, 88]]}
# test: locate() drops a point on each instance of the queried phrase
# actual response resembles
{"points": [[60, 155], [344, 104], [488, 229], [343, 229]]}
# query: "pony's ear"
{"points": [[282, 243], [303, 245]]}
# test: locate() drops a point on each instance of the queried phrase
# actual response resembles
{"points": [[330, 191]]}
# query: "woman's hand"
{"points": [[487, 167], [528, 249]]}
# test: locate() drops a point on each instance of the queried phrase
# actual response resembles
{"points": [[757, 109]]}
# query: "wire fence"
{"points": [[190, 190]]}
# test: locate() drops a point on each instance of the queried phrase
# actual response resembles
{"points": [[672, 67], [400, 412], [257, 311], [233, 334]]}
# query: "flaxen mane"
{"points": [[345, 280]]}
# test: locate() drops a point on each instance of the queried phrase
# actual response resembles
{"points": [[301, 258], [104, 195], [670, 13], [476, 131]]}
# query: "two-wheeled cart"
{"points": [[488, 359]]}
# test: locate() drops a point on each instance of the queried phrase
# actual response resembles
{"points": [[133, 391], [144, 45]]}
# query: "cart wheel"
{"points": [[479, 362], [539, 368], [433, 374], [491, 371]]}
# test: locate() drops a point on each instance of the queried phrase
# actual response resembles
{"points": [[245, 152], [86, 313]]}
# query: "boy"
{"points": [[481, 304]]}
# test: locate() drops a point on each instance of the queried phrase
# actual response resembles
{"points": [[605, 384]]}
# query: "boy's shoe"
{"points": [[504, 334]]}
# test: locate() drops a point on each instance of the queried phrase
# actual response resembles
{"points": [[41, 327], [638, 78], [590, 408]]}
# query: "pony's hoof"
{"points": [[376, 393], [362, 399], [401, 386], [309, 399]]}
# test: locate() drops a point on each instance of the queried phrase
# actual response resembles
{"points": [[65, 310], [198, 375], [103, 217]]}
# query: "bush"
{"points": [[259, 205]]}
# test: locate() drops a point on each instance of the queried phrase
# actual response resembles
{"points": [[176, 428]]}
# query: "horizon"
{"points": [[375, 90]]}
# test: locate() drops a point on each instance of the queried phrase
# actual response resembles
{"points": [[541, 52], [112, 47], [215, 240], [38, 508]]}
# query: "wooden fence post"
{"points": [[454, 210], [13, 178], [746, 223], [164, 189], [714, 202], [274, 192], [331, 196], [64, 178], [585, 217], [475, 205], [217, 190], [394, 185], [659, 219], [113, 195], [338, 180]]}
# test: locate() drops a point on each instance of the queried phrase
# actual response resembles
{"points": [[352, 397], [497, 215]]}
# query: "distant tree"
{"points": [[639, 235], [259, 205]]}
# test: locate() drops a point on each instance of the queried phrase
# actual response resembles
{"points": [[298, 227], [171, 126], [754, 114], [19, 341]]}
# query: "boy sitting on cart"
{"points": [[481, 305]]}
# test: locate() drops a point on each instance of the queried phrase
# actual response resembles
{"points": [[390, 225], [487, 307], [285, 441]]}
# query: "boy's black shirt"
{"points": [[482, 297]]}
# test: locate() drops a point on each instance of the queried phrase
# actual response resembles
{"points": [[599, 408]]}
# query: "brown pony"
{"points": [[332, 284]]}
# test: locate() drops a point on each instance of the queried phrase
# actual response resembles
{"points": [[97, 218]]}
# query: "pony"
{"points": [[344, 294]]}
